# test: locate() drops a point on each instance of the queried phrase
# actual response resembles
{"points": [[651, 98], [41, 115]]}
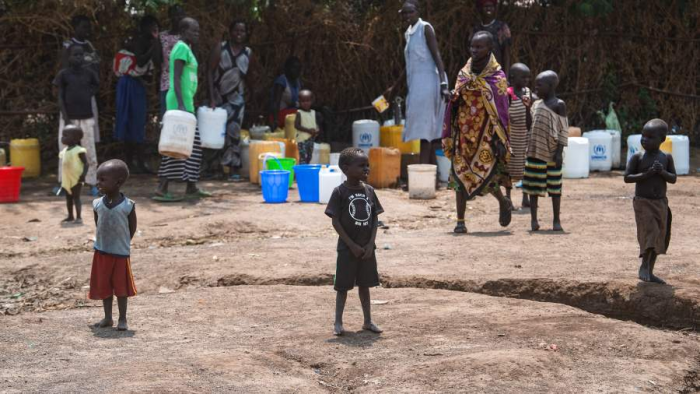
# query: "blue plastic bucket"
{"points": [[307, 181], [275, 185]]}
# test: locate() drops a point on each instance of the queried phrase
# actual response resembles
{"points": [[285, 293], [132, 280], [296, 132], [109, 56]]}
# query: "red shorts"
{"points": [[111, 275]]}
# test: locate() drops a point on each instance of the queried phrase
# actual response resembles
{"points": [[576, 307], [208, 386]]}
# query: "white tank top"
{"points": [[113, 236]]}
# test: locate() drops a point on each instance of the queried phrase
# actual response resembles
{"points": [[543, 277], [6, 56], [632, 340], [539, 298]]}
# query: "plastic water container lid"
{"points": [[365, 121], [597, 133], [439, 152]]}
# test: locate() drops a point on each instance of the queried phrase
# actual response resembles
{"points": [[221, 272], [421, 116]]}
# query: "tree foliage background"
{"points": [[642, 55]]}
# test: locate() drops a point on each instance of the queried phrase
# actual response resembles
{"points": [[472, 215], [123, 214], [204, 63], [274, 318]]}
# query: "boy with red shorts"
{"points": [[115, 218]]}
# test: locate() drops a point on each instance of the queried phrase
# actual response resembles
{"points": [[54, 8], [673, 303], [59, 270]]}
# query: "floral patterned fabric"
{"points": [[476, 119]]}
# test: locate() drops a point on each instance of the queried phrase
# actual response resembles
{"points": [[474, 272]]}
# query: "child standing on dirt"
{"points": [[549, 136], [650, 171], [307, 124], [354, 208], [76, 87], [520, 99], [115, 218], [74, 167]]}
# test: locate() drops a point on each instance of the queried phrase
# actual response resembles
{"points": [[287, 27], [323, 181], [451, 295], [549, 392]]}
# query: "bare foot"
{"points": [[644, 273], [69, 219], [104, 323], [557, 227], [656, 279], [338, 329], [535, 225], [461, 228], [121, 326], [372, 327], [78, 221]]}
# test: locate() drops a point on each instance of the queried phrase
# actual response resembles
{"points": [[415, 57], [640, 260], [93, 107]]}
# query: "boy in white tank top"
{"points": [[115, 219]]}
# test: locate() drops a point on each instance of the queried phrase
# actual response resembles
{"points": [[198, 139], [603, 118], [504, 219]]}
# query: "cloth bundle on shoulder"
{"points": [[125, 64]]}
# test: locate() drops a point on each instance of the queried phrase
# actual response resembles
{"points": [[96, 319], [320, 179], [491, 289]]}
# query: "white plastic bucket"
{"points": [[681, 153], [212, 127], [576, 162], [365, 135], [444, 166], [421, 181], [600, 150], [328, 179], [616, 148], [177, 135], [335, 159], [634, 145]]}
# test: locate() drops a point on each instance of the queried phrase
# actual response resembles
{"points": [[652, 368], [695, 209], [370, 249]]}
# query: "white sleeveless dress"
{"points": [[425, 108]]}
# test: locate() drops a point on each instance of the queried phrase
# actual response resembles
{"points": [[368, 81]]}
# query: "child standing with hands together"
{"points": [[354, 208], [650, 171], [115, 219]]}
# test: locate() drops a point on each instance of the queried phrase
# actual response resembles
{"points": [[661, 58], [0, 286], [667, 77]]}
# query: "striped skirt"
{"points": [[183, 170], [542, 178], [518, 139]]}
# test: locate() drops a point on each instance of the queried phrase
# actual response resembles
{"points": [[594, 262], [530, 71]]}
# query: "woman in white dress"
{"points": [[427, 84]]}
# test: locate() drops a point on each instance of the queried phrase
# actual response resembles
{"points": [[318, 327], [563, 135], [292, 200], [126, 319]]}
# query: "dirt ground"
{"points": [[235, 295]]}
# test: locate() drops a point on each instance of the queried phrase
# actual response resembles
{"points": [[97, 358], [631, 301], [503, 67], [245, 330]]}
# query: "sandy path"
{"points": [[277, 339]]}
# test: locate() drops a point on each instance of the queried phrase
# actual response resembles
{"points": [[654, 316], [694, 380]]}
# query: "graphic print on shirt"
{"points": [[360, 209]]}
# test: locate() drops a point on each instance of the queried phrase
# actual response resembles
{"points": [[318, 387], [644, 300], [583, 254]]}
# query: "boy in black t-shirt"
{"points": [[76, 87], [354, 208]]}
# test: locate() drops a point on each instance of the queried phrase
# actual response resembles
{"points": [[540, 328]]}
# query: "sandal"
{"points": [[197, 195], [166, 197]]}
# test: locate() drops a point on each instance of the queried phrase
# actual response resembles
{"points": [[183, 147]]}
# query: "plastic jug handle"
{"points": [[267, 156]]}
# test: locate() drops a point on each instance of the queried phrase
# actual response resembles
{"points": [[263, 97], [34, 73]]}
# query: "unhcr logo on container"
{"points": [[366, 138], [599, 152]]}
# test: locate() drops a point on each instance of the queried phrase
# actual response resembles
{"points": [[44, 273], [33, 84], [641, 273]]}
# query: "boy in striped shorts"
{"points": [[549, 136]]}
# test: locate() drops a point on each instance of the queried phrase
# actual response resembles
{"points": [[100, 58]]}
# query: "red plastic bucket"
{"points": [[10, 182]]}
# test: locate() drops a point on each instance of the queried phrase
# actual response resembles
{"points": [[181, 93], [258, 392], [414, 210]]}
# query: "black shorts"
{"points": [[351, 271]]}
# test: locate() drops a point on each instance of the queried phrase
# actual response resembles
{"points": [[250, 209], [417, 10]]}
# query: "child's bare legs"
{"points": [[556, 208], [121, 304], [461, 227], [340, 298], [533, 213], [69, 206], [107, 321], [77, 202], [646, 270], [526, 201], [73, 200], [367, 311]]}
